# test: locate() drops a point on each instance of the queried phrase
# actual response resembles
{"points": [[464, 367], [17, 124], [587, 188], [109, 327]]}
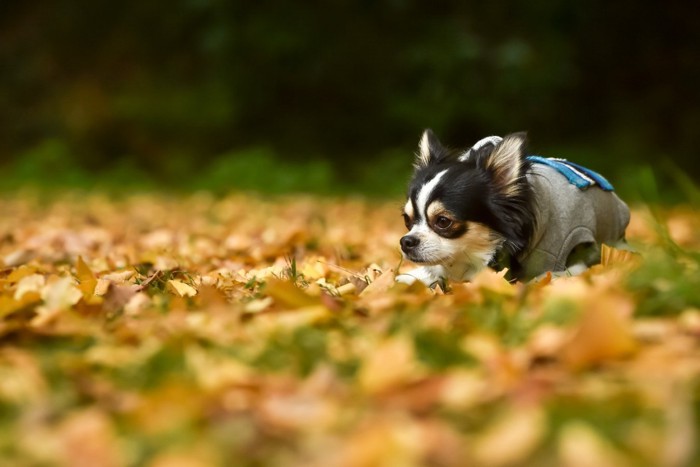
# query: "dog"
{"points": [[494, 205]]}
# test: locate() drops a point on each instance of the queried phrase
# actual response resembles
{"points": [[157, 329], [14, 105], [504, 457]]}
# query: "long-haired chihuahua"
{"points": [[495, 206]]}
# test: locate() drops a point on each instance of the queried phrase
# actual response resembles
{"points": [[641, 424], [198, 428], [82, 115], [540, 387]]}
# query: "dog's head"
{"points": [[463, 207]]}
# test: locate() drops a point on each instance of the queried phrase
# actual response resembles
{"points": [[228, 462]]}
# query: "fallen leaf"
{"points": [[391, 363], [195, 339], [32, 284], [297, 412], [117, 296], [494, 282], [86, 278], [610, 256], [17, 258], [381, 284], [511, 438], [581, 446], [58, 296], [181, 289], [600, 335], [20, 273], [288, 295]]}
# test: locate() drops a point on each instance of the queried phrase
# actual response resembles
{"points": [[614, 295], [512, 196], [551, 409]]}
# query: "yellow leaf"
{"points": [[7, 305], [32, 284], [20, 273], [86, 277], [181, 289], [288, 295], [59, 295], [28, 292]]}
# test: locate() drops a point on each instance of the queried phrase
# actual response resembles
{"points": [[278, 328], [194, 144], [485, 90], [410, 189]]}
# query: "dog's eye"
{"points": [[443, 222], [407, 221]]}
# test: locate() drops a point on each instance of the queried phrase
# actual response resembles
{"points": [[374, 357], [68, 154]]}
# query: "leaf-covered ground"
{"points": [[200, 331]]}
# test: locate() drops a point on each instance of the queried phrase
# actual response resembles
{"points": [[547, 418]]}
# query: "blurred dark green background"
{"points": [[332, 96]]}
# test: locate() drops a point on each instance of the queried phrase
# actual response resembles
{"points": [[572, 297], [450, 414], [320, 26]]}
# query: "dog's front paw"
{"points": [[406, 279], [428, 275]]}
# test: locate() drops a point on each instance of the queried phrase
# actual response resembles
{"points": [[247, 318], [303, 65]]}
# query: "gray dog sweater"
{"points": [[570, 216]]}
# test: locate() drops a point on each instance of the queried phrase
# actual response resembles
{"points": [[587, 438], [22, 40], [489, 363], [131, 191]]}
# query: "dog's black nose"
{"points": [[409, 242]]}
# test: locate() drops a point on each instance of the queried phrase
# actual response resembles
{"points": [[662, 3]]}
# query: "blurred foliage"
{"points": [[216, 330], [165, 92]]}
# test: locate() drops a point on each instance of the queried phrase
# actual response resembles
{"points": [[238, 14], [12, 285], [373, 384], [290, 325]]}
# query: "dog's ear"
{"points": [[505, 161], [481, 149], [430, 150]]}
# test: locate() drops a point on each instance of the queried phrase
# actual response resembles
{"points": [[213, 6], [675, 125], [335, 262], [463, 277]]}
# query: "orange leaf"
{"points": [[610, 255], [601, 335]]}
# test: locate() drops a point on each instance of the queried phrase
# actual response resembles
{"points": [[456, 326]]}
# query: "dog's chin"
{"points": [[417, 259]]}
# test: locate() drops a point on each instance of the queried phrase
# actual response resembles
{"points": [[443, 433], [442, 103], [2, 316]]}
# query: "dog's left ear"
{"points": [[505, 162], [430, 150]]}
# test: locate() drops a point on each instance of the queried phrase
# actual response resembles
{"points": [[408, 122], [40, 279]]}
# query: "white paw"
{"points": [[576, 269], [428, 275], [406, 279]]}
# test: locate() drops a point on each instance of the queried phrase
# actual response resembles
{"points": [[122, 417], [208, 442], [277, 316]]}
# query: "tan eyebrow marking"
{"points": [[436, 208]]}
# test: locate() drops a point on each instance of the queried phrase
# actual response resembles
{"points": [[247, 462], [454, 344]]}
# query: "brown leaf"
{"points": [[117, 296], [381, 284]]}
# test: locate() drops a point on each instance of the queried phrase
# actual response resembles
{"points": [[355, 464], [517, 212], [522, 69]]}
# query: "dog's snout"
{"points": [[409, 242]]}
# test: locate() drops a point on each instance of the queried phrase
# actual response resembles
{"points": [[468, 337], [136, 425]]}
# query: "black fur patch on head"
{"points": [[463, 190]]}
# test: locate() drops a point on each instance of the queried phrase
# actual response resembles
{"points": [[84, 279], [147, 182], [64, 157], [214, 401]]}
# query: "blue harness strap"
{"points": [[577, 175]]}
